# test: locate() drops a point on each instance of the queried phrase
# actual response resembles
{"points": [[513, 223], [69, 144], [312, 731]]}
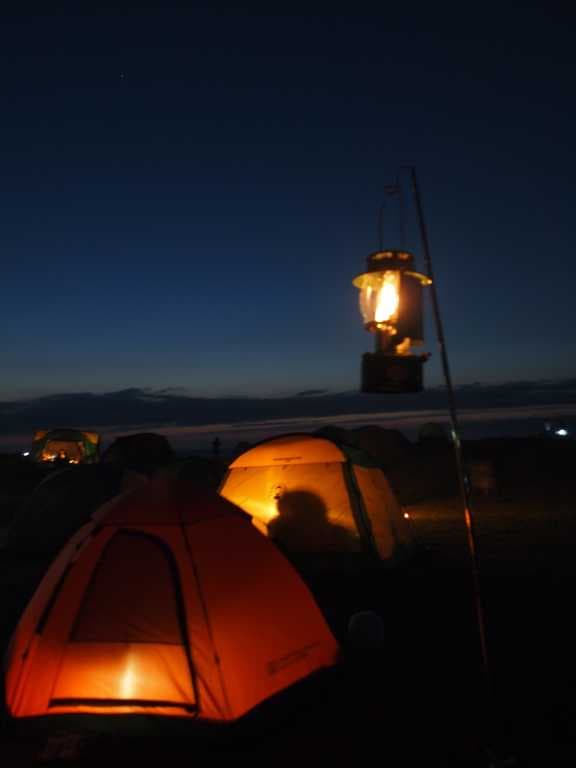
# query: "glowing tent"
{"points": [[314, 496], [169, 603], [74, 446]]}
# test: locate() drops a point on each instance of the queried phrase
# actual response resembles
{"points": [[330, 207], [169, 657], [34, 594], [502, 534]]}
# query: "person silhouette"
{"points": [[61, 458], [302, 525]]}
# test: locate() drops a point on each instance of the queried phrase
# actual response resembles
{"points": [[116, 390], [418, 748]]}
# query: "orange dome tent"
{"points": [[169, 603]]}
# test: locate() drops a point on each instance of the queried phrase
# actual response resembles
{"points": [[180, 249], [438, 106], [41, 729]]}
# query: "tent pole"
{"points": [[463, 480]]}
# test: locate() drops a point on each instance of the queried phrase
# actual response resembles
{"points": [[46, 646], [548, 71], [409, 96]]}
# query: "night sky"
{"points": [[187, 194]]}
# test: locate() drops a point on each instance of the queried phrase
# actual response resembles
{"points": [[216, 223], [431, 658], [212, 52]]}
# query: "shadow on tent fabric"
{"points": [[302, 526]]}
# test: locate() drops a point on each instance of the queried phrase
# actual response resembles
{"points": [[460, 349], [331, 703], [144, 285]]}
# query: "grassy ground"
{"points": [[420, 699]]}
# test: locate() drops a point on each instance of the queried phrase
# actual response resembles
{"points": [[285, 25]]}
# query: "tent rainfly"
{"points": [[314, 496], [169, 602]]}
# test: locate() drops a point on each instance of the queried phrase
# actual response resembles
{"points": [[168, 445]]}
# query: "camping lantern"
{"points": [[391, 307]]}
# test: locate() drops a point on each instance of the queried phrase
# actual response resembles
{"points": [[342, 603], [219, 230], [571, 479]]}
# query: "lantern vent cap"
{"points": [[389, 259]]}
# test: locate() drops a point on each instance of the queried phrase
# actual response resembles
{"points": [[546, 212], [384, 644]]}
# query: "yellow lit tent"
{"points": [[314, 496]]}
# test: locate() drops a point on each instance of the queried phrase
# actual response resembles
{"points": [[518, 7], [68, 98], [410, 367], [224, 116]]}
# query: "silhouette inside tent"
{"points": [[302, 525]]}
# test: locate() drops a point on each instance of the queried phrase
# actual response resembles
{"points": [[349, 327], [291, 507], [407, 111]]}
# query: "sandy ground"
{"points": [[419, 700]]}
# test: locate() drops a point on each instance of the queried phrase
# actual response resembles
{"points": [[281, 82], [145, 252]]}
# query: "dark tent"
{"points": [[202, 471], [59, 506], [142, 452]]}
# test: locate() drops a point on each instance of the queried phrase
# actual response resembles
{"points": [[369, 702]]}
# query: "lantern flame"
{"points": [[388, 298]]}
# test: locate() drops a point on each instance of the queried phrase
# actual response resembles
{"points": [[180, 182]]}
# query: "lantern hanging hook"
{"points": [[391, 191], [402, 214]]}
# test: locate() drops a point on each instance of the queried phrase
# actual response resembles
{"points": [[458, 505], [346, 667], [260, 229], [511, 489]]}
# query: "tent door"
{"points": [[128, 646]]}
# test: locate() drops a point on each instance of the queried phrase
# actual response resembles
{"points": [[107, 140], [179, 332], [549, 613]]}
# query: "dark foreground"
{"points": [[418, 701]]}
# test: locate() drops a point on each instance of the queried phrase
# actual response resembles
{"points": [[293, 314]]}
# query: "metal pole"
{"points": [[461, 469]]}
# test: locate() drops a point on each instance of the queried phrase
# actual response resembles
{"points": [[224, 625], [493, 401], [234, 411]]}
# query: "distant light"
{"points": [[561, 432], [407, 516], [26, 453]]}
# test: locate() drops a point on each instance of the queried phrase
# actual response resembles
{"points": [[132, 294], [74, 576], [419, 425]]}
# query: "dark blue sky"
{"points": [[186, 194]]}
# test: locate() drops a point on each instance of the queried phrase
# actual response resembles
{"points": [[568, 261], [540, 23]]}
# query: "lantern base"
{"points": [[385, 373]]}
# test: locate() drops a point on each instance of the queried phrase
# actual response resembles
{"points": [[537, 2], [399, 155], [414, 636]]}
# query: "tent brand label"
{"points": [[277, 665], [284, 459]]}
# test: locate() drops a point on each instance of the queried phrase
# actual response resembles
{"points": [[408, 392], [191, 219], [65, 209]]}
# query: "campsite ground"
{"points": [[421, 698]]}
